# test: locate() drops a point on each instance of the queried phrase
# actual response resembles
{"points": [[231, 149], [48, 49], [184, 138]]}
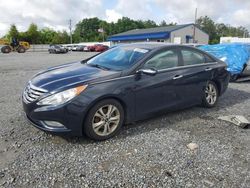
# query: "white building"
{"points": [[234, 39]]}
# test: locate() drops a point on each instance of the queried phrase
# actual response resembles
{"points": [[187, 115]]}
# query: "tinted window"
{"points": [[192, 58], [209, 59], [163, 60], [118, 58]]}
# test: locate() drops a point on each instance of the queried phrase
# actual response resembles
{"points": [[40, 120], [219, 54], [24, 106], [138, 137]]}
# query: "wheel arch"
{"points": [[114, 97], [218, 84]]}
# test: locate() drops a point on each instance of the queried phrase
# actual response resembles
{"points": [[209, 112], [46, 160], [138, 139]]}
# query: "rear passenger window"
{"points": [[163, 60], [209, 59], [192, 57]]}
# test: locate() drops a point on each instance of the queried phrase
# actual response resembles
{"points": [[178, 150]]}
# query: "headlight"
{"points": [[62, 97]]}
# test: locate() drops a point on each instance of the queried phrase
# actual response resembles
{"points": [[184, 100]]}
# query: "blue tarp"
{"points": [[235, 55]]}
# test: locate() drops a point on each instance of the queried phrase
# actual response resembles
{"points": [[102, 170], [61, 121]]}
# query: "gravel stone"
{"points": [[193, 146], [149, 153]]}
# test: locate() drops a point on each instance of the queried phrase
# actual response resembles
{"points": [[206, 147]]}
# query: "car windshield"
{"points": [[118, 58]]}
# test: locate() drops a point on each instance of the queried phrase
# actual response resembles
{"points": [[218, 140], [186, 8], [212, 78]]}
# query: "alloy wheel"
{"points": [[211, 94], [106, 120]]}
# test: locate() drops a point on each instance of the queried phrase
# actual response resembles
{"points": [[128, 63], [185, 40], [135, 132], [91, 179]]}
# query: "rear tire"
{"points": [[6, 49], [210, 95], [104, 120]]}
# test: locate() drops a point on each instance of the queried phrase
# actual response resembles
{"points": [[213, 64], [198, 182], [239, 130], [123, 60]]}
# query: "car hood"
{"points": [[70, 74]]}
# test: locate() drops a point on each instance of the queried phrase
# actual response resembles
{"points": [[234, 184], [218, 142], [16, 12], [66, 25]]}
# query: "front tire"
{"points": [[210, 96], [21, 49], [104, 120]]}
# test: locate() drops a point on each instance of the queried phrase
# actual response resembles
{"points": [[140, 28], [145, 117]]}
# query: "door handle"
{"points": [[208, 69], [177, 77]]}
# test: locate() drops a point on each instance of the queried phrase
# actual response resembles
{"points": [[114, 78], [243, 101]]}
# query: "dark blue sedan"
{"points": [[122, 85]]}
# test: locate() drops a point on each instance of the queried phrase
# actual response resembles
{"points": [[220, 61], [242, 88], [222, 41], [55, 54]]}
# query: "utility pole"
{"points": [[195, 18], [70, 30], [244, 34], [101, 30], [103, 36]]}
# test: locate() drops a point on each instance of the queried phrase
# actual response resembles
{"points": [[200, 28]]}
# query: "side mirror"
{"points": [[148, 71]]}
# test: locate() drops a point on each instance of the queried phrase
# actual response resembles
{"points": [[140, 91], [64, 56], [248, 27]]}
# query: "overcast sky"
{"points": [[55, 14]]}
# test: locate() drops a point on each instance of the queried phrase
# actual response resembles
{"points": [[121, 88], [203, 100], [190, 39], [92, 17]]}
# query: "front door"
{"points": [[157, 92]]}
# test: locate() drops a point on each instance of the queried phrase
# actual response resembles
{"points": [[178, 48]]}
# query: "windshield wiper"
{"points": [[98, 66]]}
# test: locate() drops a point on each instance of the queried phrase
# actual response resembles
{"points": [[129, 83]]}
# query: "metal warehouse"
{"points": [[182, 34]]}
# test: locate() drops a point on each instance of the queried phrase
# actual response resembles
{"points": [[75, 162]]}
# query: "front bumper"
{"points": [[42, 126], [70, 115]]}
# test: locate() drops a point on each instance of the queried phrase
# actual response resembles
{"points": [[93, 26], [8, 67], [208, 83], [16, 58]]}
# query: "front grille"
{"points": [[32, 93]]}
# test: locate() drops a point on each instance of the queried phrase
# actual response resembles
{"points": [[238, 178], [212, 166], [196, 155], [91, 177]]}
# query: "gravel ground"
{"points": [[150, 153]]}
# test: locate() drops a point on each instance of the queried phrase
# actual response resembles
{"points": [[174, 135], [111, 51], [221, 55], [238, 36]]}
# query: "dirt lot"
{"points": [[150, 153]]}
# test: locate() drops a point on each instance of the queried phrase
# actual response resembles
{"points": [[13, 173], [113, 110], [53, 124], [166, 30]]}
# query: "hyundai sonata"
{"points": [[122, 85]]}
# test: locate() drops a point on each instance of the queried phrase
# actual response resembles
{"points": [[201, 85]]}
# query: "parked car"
{"points": [[91, 48], [57, 49], [96, 48], [69, 47], [74, 48], [101, 48], [80, 48], [122, 85], [86, 49]]}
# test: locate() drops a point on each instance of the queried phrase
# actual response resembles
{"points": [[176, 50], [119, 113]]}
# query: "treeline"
{"points": [[94, 29], [35, 36], [217, 30], [87, 29]]}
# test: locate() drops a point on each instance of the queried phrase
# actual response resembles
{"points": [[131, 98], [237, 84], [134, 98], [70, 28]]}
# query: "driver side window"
{"points": [[163, 60]]}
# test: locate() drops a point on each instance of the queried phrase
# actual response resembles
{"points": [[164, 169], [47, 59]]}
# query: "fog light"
{"points": [[53, 124]]}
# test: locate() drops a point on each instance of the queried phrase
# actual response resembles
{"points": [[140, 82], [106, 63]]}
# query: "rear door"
{"points": [[197, 69]]}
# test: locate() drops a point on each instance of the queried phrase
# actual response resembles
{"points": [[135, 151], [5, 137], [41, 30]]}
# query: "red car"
{"points": [[101, 48], [97, 48], [91, 48]]}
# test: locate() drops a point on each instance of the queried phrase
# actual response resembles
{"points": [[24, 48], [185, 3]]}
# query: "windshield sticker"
{"points": [[140, 50]]}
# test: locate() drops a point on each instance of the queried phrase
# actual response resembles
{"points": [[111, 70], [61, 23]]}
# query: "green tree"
{"points": [[149, 24], [47, 35], [13, 32], [60, 38], [87, 30], [221, 29], [23, 36], [33, 34], [217, 30], [208, 25], [163, 23]]}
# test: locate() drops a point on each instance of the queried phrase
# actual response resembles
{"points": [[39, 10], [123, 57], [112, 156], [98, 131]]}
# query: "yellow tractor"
{"points": [[19, 47]]}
